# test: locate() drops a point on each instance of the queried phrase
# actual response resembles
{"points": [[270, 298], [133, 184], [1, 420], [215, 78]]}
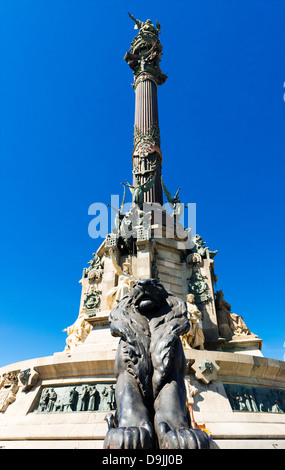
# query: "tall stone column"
{"points": [[147, 154], [143, 58]]}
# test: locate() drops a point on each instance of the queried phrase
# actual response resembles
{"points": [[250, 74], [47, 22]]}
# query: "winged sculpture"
{"points": [[174, 202], [138, 189]]}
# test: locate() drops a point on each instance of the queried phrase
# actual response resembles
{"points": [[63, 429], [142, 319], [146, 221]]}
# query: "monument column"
{"points": [[143, 58]]}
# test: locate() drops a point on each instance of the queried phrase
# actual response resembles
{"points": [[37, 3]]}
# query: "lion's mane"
{"points": [[148, 341]]}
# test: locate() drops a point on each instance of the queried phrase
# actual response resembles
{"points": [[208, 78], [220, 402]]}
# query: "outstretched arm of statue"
{"points": [[69, 329], [117, 268], [128, 185], [138, 22]]}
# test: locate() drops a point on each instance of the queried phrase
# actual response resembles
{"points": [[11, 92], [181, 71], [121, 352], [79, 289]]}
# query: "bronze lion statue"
{"points": [[150, 366]]}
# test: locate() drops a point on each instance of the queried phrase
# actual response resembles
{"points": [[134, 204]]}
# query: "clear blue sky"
{"points": [[67, 116]]}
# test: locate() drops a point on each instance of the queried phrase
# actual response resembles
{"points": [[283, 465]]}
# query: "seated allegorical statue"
{"points": [[125, 283], [231, 326], [77, 333]]}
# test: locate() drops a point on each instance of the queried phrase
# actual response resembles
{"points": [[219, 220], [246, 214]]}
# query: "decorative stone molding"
{"points": [[193, 258], [198, 286], [111, 240], [145, 143], [92, 301], [142, 77], [28, 378], [206, 371]]}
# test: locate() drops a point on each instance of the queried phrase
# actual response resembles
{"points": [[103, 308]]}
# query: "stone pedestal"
{"points": [[224, 384]]}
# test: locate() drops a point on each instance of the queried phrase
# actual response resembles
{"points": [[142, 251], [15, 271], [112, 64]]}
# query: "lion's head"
{"points": [[147, 295]]}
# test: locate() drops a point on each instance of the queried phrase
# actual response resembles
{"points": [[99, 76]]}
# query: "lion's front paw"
{"points": [[182, 438], [130, 437]]}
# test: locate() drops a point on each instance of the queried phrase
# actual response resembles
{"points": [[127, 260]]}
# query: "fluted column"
{"points": [[147, 154], [146, 111], [143, 58]]}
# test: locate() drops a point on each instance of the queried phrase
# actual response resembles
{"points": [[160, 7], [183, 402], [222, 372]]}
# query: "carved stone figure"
{"points": [[83, 397], [104, 395], [194, 338], [95, 270], [134, 221], [77, 333], [52, 400], [108, 402], [125, 283], [8, 389], [94, 275], [44, 400], [230, 324], [127, 232], [276, 408], [150, 367], [95, 263], [191, 391], [111, 402], [72, 399], [92, 398], [239, 327], [223, 310]]}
